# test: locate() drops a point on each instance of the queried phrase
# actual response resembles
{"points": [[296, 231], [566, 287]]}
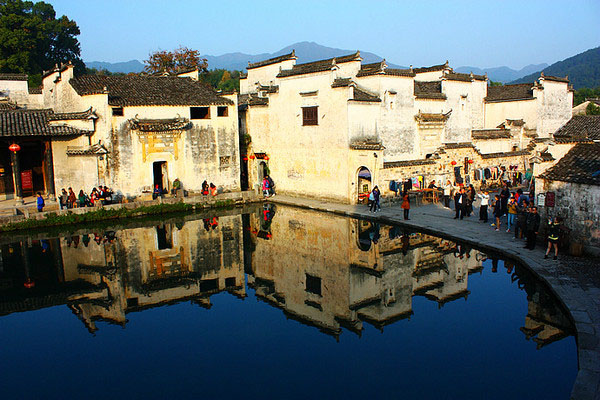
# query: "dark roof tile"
{"points": [[362, 95], [433, 68], [274, 60], [318, 66], [580, 128], [13, 77], [408, 163], [505, 154], [489, 134], [520, 91], [34, 123], [72, 116], [429, 90], [137, 90], [455, 76], [159, 125], [580, 165]]}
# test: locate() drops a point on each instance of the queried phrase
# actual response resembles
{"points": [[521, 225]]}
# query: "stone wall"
{"points": [[579, 206]]}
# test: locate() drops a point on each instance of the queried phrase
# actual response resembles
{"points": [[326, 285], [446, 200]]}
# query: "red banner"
{"points": [[26, 180]]}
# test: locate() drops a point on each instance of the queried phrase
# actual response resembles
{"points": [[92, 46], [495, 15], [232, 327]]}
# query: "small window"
{"points": [[117, 111], [310, 116], [224, 161], [199, 112], [313, 284], [222, 111], [209, 284], [229, 282], [132, 302]]}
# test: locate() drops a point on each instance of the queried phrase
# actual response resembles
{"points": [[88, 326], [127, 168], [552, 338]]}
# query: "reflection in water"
{"points": [[323, 270]]}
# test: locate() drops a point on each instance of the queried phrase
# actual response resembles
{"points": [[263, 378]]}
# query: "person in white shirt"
{"points": [[485, 199]]}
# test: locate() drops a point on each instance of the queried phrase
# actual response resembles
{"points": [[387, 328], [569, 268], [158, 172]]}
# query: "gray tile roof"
{"points": [[251, 99], [580, 165], [520, 91], [72, 116], [159, 125], [366, 146], [13, 77], [455, 76], [362, 95], [34, 123], [433, 68], [408, 163], [580, 128], [318, 66], [6, 105], [505, 154], [489, 134], [274, 60], [341, 82], [137, 90]]}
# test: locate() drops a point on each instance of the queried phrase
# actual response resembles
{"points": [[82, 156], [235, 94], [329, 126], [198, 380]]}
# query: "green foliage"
{"points": [[582, 94], [33, 40], [53, 219], [94, 71], [222, 79], [492, 83], [592, 109]]}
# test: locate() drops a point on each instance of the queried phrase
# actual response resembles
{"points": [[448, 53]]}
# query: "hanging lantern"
{"points": [[14, 147], [471, 161], [252, 157], [29, 283], [266, 158], [453, 163], [245, 158]]}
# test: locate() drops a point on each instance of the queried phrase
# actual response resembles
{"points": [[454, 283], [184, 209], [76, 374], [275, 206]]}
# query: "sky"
{"points": [[467, 33]]}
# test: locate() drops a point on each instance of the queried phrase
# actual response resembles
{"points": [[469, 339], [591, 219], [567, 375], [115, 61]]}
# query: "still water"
{"points": [[273, 303]]}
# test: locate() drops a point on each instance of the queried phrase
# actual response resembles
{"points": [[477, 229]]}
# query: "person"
{"points": [[94, 196], [470, 199], [204, 188], [504, 196], [265, 187], [497, 211], [405, 205], [108, 195], [553, 236], [176, 186], [72, 199], [40, 202], [483, 208], [81, 199], [156, 193], [533, 226], [459, 203], [447, 193], [271, 186], [522, 211], [377, 198], [432, 185], [512, 213], [213, 189], [63, 199], [371, 201]]}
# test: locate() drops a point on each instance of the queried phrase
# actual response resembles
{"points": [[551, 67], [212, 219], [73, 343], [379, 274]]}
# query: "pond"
{"points": [[273, 302]]}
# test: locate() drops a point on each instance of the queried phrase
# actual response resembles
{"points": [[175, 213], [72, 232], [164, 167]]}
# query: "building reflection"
{"points": [[322, 270]]}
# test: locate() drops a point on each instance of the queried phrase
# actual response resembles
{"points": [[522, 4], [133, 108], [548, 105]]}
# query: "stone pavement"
{"points": [[575, 281]]}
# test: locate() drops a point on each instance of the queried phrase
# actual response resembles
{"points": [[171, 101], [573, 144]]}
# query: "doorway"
{"points": [[263, 171], [363, 184], [160, 175]]}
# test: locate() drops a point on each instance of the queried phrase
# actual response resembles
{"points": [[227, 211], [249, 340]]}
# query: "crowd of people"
{"points": [[68, 199]]}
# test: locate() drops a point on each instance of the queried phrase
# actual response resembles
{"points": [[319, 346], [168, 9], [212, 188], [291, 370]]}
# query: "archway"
{"points": [[363, 184]]}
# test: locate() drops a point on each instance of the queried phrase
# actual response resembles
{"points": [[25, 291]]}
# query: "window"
{"points": [[199, 112], [117, 111], [224, 161], [209, 284], [229, 282], [310, 116], [313, 284], [222, 111]]}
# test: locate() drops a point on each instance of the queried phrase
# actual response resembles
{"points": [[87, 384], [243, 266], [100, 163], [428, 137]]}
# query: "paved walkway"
{"points": [[576, 281]]}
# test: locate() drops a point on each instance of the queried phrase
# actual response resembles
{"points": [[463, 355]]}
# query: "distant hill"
{"points": [[125, 67], [305, 51], [503, 74], [583, 70]]}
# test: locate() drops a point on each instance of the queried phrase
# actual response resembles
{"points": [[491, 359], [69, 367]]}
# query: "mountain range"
{"points": [[582, 69], [311, 51]]}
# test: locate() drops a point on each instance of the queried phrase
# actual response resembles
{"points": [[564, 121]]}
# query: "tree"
{"points": [[592, 109], [492, 83], [33, 40], [175, 61]]}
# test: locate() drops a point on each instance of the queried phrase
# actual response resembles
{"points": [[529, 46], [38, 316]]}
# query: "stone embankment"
{"points": [[577, 288], [29, 217]]}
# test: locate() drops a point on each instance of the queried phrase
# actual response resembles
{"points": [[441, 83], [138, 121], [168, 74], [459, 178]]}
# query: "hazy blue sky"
{"points": [[474, 33]]}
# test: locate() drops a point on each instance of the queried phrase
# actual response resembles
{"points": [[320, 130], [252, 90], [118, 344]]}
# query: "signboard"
{"points": [[550, 199], [541, 200], [26, 180]]}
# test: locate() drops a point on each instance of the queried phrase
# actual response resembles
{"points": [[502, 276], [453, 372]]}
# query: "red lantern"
{"points": [[245, 158], [267, 158], [471, 161], [29, 283], [252, 157], [14, 147], [453, 163]]}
